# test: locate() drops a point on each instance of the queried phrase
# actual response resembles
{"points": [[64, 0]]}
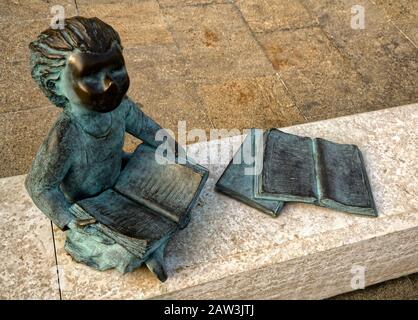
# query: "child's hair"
{"points": [[50, 50]]}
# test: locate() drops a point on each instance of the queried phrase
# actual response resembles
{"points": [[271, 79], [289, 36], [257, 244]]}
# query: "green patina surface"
{"points": [[81, 69]]}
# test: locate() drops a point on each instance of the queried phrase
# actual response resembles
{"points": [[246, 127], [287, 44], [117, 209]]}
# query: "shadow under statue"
{"points": [[81, 69]]}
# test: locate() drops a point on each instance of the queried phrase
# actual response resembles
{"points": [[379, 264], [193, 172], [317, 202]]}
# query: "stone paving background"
{"points": [[226, 64]]}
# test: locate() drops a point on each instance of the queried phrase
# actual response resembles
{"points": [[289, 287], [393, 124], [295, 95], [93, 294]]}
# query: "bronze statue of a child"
{"points": [[80, 68]]}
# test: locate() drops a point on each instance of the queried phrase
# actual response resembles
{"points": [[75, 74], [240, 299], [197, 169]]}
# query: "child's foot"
{"points": [[156, 264]]}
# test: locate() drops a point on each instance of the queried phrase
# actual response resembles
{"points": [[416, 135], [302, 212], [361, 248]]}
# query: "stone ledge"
{"points": [[230, 250], [27, 258]]}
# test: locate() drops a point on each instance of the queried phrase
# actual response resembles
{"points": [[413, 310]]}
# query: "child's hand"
{"points": [[86, 227], [79, 223]]}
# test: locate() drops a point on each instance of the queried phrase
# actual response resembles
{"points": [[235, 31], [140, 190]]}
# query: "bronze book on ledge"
{"points": [[239, 184], [291, 168], [148, 203], [313, 170]]}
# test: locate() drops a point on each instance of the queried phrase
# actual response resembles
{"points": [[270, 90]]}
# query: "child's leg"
{"points": [[93, 248]]}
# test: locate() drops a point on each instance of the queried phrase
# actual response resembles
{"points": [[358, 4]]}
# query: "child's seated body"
{"points": [[81, 69]]}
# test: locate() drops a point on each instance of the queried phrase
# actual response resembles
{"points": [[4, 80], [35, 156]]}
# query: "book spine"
{"points": [[258, 161], [150, 205], [156, 208], [367, 182], [318, 170]]}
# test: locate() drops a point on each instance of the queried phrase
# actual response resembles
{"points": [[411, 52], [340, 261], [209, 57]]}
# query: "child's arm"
{"points": [[143, 127], [49, 168]]}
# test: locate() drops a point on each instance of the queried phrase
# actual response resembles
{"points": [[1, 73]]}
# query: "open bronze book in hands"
{"points": [[148, 203]]}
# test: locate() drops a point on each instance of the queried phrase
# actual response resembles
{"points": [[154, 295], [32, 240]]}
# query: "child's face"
{"points": [[96, 81]]}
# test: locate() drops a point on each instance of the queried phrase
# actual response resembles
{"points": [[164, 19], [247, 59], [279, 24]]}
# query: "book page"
{"points": [[167, 188], [127, 217], [343, 178], [288, 172]]}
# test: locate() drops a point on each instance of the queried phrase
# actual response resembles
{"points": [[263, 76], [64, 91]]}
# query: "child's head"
{"points": [[81, 63]]}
